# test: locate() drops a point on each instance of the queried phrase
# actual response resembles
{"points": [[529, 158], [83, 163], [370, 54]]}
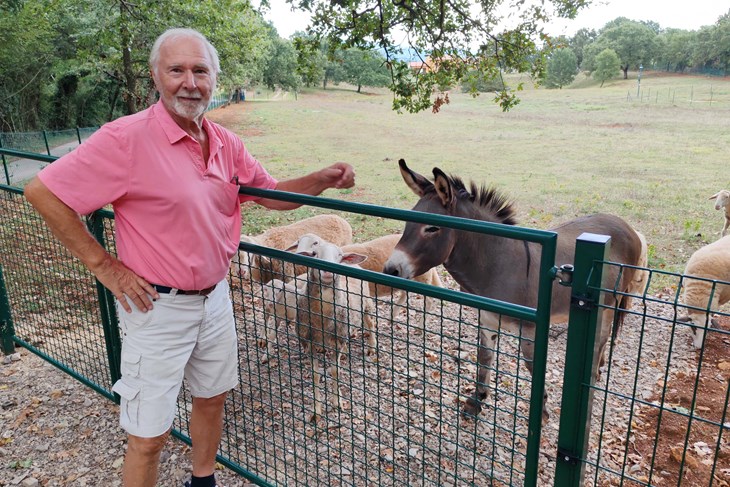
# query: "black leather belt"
{"points": [[196, 292]]}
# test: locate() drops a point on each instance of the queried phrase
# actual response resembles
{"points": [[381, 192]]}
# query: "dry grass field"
{"points": [[653, 159]]}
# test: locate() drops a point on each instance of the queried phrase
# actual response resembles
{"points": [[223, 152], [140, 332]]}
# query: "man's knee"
{"points": [[215, 402], [146, 447]]}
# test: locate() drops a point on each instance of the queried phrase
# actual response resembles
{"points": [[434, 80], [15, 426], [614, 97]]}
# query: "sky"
{"points": [[668, 13]]}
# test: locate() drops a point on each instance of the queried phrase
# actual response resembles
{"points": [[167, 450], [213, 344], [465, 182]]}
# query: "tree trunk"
{"points": [[130, 82], [625, 69]]}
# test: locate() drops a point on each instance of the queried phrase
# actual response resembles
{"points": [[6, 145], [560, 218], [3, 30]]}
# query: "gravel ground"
{"points": [[401, 427], [55, 431]]}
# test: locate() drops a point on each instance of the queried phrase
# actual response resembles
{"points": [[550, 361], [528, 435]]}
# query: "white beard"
{"points": [[189, 110]]}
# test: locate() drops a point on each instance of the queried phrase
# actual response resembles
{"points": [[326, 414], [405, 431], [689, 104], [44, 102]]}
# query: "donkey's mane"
{"points": [[489, 198]]}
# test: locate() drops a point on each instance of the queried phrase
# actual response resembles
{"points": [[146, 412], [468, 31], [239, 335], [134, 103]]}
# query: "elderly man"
{"points": [[172, 177]]}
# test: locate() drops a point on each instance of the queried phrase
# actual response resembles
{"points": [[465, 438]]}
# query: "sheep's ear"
{"points": [[352, 258], [444, 190], [306, 253], [415, 181], [292, 247], [714, 196]]}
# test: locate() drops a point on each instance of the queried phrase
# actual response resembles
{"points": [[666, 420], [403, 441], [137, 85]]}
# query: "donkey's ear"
{"points": [[443, 188], [415, 181]]}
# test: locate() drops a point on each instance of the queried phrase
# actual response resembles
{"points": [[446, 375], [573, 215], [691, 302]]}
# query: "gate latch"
{"points": [[564, 274]]}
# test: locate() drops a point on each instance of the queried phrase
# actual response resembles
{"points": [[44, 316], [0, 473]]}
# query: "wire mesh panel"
{"points": [[660, 413], [399, 421], [53, 298]]}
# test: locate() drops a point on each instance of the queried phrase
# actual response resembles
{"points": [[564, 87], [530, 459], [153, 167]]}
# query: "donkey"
{"points": [[503, 268]]}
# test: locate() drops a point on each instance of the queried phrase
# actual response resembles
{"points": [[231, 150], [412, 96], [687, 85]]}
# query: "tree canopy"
{"points": [[458, 36]]}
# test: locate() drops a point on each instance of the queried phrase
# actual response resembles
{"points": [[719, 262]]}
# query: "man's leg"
{"points": [[142, 460], [206, 427]]}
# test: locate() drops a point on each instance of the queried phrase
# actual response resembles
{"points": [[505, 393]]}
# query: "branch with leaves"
{"points": [[453, 39]]}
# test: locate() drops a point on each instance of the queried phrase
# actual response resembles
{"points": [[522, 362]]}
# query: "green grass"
{"points": [[558, 154]]}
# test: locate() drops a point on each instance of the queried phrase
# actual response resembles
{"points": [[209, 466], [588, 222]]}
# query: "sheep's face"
{"points": [[330, 253], [722, 199], [698, 323]]}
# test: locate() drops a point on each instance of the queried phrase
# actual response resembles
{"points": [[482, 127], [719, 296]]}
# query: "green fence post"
{"points": [[45, 139], [5, 164], [78, 134], [95, 223], [581, 359], [7, 331]]}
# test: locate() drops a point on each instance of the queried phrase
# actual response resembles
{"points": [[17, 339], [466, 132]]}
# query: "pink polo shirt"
{"points": [[178, 222]]}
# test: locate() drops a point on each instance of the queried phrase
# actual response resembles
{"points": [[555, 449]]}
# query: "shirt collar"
{"points": [[172, 130]]}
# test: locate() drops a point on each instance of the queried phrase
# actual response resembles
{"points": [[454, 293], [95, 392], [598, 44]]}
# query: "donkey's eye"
{"points": [[431, 229]]}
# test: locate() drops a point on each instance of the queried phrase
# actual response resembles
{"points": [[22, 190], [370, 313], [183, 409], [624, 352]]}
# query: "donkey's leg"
{"points": [[527, 346], [485, 359]]}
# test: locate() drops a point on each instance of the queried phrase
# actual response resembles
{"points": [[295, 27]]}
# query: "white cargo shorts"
{"points": [[191, 337]]}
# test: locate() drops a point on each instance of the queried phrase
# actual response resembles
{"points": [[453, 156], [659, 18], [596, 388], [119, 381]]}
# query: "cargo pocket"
{"points": [[131, 363], [129, 406]]}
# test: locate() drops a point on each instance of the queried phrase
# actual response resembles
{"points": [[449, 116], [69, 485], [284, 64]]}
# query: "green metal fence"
{"points": [[647, 421]]}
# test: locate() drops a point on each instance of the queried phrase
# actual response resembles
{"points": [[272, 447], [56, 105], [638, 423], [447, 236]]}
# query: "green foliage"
{"points": [[458, 38], [311, 59], [562, 68], [364, 68], [607, 65], [634, 43], [94, 55], [281, 70], [475, 82]]}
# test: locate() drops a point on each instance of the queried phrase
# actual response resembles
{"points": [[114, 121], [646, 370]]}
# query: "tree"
{"points": [[580, 40], [281, 70], [634, 42], [607, 65], [364, 68], [458, 37], [676, 49], [561, 68], [311, 59]]}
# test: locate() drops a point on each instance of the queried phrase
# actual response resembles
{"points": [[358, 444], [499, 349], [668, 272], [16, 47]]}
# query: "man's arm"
{"points": [[66, 225], [339, 175]]}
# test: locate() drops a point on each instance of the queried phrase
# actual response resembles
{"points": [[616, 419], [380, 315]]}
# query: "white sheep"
{"points": [[330, 305], [279, 305], [706, 286], [263, 269], [377, 252], [722, 200]]}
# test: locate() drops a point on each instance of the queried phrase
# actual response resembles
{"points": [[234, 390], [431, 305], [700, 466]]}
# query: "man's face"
{"points": [[185, 77]]}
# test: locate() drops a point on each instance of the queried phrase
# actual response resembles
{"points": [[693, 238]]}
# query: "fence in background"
{"points": [[657, 416], [706, 96]]}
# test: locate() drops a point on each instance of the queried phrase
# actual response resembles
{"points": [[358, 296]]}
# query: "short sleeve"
{"points": [[252, 173], [93, 175]]}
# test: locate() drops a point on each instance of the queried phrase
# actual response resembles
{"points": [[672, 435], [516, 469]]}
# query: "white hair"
{"points": [[183, 32]]}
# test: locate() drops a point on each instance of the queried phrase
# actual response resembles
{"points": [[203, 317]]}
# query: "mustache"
{"points": [[189, 94]]}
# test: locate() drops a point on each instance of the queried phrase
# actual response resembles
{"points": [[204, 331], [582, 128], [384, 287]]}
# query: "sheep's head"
{"points": [[330, 253], [722, 199], [305, 243], [243, 260], [698, 322]]}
